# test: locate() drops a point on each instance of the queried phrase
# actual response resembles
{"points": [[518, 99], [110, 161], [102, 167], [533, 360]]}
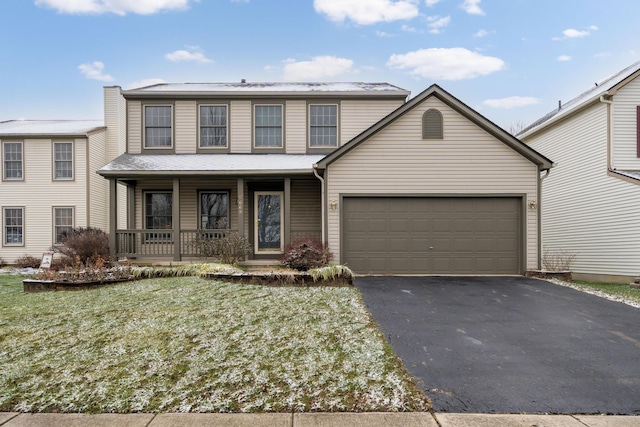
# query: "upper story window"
{"points": [[213, 126], [214, 210], [13, 226], [13, 168], [323, 126], [157, 126], [62, 160], [432, 125], [268, 126], [62, 223]]}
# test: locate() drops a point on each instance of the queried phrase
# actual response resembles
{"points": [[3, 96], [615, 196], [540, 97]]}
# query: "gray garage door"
{"points": [[432, 235]]}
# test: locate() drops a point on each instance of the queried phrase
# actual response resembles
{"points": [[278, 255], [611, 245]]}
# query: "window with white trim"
{"points": [[13, 165], [214, 210], [213, 126], [62, 223], [62, 160], [268, 126], [158, 126], [13, 226], [323, 126]]}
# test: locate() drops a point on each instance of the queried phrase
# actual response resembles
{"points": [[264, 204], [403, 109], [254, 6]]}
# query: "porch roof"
{"points": [[148, 165]]}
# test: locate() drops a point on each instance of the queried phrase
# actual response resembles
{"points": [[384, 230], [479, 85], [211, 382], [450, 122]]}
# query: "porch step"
{"points": [[260, 264]]}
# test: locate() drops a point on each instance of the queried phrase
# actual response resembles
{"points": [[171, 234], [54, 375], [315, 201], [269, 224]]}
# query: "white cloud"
{"points": [[409, 29], [511, 102], [437, 23], [144, 83], [320, 67], [383, 34], [367, 12], [481, 33], [192, 53], [119, 7], [94, 70], [446, 64], [572, 33], [564, 58], [593, 28], [430, 3], [472, 7]]}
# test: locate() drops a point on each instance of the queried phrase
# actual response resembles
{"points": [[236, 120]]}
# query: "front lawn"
{"points": [[194, 345]]}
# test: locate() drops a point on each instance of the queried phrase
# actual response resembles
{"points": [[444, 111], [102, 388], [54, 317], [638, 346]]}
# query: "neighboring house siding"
{"points": [[305, 209], [296, 131], [467, 161], [624, 127], [240, 132], [134, 134], [356, 116], [585, 211], [186, 127]]}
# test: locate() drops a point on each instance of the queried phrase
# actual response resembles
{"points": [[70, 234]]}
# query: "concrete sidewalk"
{"points": [[371, 419]]}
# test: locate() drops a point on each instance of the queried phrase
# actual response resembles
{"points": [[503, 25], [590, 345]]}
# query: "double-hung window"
{"points": [[157, 126], [214, 210], [62, 160], [13, 166], [323, 126], [13, 226], [158, 214], [268, 126], [213, 126], [62, 223]]}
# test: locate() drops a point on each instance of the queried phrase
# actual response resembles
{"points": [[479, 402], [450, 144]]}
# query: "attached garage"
{"points": [[432, 235]]}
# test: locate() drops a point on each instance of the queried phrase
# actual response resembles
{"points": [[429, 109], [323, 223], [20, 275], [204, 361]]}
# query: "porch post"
{"points": [[287, 212], [113, 218], [131, 206], [242, 206], [177, 255]]}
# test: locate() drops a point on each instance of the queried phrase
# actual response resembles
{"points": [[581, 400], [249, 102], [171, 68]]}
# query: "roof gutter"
{"points": [[323, 202]]}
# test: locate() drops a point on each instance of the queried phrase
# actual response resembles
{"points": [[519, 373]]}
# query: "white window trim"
{"points": [[144, 127], [221, 147], [73, 160], [4, 227], [323, 147], [55, 226], [4, 172], [255, 126]]}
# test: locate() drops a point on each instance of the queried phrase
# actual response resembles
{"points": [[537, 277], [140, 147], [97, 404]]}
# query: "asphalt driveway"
{"points": [[510, 344]]}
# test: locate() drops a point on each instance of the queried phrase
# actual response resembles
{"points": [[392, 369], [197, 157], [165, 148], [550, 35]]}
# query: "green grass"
{"points": [[614, 290], [191, 345]]}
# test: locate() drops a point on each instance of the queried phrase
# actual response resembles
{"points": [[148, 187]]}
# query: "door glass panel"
{"points": [[269, 236]]}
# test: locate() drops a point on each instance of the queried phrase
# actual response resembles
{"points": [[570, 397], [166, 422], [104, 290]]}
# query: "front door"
{"points": [[269, 218]]}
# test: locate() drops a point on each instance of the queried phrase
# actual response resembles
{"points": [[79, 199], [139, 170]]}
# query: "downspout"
{"points": [[540, 218], [322, 202], [609, 102]]}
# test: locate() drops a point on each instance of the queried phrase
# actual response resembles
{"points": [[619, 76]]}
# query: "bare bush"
{"points": [[305, 254], [557, 260], [228, 249], [88, 244], [28, 261]]}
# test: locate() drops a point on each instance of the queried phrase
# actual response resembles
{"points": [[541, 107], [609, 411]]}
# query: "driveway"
{"points": [[510, 344]]}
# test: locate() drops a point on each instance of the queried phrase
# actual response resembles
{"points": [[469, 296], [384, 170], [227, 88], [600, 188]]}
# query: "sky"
{"points": [[511, 60]]}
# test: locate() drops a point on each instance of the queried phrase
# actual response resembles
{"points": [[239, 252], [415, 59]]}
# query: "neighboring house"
{"points": [[592, 198], [424, 186], [49, 183]]}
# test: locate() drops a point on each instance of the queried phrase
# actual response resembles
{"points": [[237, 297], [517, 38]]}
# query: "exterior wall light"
{"points": [[333, 205], [532, 204]]}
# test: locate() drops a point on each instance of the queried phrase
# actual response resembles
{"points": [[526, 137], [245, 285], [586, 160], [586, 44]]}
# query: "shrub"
{"points": [[305, 254], [331, 272], [557, 260], [228, 249], [28, 261], [88, 244]]}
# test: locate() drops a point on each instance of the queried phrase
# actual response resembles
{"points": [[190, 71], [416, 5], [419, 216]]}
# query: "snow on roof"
{"points": [[209, 163], [599, 89], [49, 127], [345, 87]]}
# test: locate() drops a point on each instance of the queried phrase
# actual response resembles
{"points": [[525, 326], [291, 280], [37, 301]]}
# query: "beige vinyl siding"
{"points": [[115, 119], [296, 127], [467, 161], [240, 127], [98, 196], [134, 131], [585, 211], [356, 116], [624, 126], [186, 127], [38, 194], [305, 209]]}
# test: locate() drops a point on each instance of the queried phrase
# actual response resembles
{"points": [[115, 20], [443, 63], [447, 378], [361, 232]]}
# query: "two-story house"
{"points": [[426, 185], [591, 199]]}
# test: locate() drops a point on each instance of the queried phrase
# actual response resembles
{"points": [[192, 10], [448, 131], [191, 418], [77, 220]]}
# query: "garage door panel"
{"points": [[432, 235]]}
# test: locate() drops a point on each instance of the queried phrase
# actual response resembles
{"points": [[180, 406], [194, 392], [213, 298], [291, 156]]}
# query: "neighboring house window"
{"points": [[213, 126], [323, 126], [62, 222], [214, 210], [13, 226], [13, 165], [62, 160], [158, 213], [157, 126], [432, 125], [268, 126]]}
